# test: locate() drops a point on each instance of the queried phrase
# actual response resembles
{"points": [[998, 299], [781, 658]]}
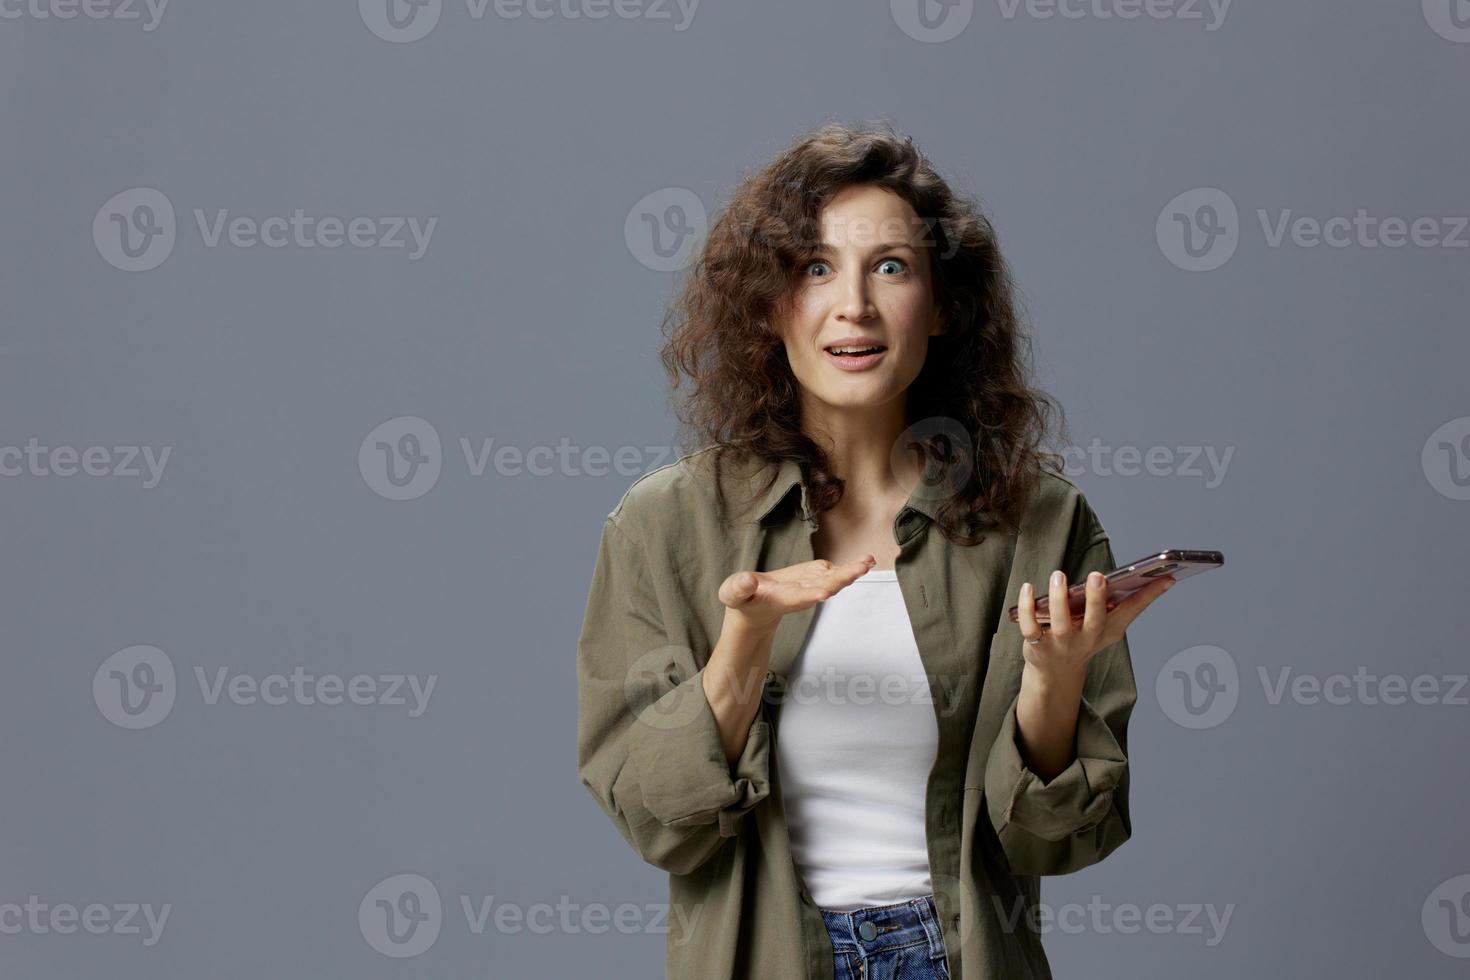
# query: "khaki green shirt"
{"points": [[649, 750]]}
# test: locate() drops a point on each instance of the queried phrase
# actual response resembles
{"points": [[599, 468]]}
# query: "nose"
{"points": [[853, 304]]}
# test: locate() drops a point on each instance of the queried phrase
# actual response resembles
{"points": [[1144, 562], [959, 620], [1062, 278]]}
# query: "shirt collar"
{"points": [[788, 479]]}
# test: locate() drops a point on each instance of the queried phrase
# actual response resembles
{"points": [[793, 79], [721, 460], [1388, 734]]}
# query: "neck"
{"points": [[860, 445]]}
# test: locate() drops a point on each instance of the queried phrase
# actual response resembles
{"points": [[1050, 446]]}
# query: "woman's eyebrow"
{"points": [[881, 247]]}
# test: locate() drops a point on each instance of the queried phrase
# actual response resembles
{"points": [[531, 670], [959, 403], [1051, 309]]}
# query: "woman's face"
{"points": [[867, 285]]}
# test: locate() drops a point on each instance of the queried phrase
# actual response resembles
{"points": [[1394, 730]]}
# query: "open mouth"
{"points": [[855, 355]]}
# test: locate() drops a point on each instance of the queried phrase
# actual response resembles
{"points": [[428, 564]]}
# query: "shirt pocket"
{"points": [[1001, 685]]}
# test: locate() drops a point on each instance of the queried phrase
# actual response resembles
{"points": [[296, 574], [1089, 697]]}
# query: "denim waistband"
{"points": [[890, 926]]}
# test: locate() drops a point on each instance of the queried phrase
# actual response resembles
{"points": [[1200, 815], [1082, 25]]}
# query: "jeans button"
{"points": [[867, 930]]}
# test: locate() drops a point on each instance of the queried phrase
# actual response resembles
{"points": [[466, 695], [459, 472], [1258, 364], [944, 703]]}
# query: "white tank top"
{"points": [[858, 736]]}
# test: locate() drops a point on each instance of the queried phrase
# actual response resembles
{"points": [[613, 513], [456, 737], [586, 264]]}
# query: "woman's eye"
{"points": [[890, 267]]}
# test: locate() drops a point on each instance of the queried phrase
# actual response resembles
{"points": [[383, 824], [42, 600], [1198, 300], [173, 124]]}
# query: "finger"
{"points": [[844, 575], [1127, 610], [822, 568], [1095, 615], [1061, 615], [739, 588], [1026, 612], [838, 576]]}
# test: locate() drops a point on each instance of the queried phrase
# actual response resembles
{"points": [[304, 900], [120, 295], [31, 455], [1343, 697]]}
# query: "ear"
{"points": [[938, 326]]}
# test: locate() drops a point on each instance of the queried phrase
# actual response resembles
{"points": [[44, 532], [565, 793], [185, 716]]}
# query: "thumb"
{"points": [[741, 588]]}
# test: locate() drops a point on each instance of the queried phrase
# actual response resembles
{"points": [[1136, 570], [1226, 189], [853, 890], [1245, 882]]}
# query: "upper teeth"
{"points": [[851, 350]]}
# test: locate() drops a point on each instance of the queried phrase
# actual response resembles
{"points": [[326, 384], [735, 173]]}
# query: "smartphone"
{"points": [[1175, 563]]}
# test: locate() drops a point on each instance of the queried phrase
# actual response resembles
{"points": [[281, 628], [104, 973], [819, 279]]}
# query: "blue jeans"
{"points": [[888, 942]]}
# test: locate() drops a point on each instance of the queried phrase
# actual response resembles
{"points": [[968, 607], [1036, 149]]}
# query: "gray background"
{"points": [[1326, 829]]}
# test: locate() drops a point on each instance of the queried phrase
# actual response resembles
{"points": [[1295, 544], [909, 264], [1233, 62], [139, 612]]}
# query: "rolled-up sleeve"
{"points": [[648, 747], [1081, 815]]}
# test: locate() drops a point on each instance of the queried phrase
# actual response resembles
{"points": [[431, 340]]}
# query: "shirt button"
{"points": [[867, 930]]}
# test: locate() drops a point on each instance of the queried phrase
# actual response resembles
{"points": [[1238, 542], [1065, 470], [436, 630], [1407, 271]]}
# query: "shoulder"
{"points": [[680, 492], [1059, 507]]}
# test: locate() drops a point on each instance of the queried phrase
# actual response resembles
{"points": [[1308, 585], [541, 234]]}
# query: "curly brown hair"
{"points": [[744, 398]]}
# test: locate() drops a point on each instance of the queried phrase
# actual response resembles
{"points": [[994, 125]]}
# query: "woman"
{"points": [[872, 791]]}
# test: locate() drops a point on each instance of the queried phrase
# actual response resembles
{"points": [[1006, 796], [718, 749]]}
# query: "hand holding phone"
{"points": [[1127, 579]]}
